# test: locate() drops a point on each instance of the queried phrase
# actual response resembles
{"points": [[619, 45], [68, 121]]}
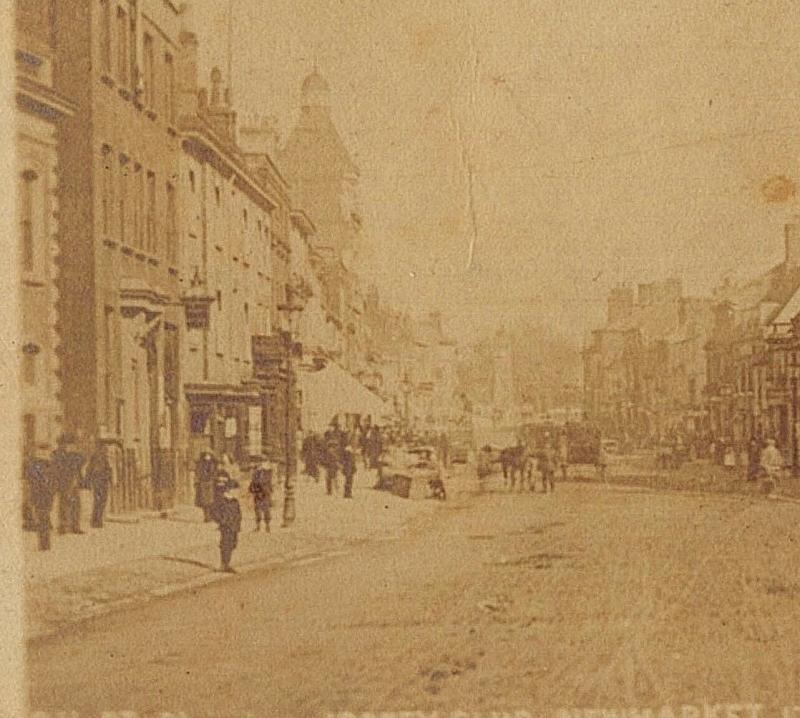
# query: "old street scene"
{"points": [[409, 359]]}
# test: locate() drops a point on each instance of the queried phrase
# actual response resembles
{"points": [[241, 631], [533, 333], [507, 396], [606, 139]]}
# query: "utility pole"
{"points": [[289, 436]]}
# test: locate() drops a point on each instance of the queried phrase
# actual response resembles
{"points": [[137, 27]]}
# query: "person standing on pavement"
{"points": [[42, 490], [310, 453], [349, 470], [261, 491], [602, 462], [67, 466], [205, 475], [547, 467], [753, 459], [228, 515], [98, 477], [331, 460], [563, 453], [772, 462], [375, 446]]}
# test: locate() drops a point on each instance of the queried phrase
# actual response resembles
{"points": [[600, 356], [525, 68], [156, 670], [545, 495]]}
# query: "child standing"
{"points": [[229, 520], [261, 490]]}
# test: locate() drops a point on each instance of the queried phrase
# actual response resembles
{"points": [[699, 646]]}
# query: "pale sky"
{"points": [[608, 141]]}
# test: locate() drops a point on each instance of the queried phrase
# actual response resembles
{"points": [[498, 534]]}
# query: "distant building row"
{"points": [[721, 368]]}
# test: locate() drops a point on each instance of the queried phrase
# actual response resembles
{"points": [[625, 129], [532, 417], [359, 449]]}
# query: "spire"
{"points": [[315, 91]]}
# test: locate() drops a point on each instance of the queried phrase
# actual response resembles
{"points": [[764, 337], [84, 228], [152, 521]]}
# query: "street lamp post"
{"points": [[289, 438]]}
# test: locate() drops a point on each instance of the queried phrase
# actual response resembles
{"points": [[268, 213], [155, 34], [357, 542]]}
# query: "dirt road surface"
{"points": [[588, 598]]}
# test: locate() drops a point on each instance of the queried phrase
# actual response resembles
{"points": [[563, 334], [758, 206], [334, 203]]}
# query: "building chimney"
{"points": [[187, 90], [259, 135], [792, 241]]}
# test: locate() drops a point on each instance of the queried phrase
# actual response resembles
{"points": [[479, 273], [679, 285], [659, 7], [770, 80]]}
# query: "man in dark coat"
{"points": [[67, 465], [261, 491], [753, 459], [42, 491], [375, 447], [331, 459], [311, 455], [98, 478], [205, 475], [349, 470], [228, 516]]}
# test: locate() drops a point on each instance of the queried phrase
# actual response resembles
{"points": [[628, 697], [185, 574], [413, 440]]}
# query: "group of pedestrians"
{"points": [[215, 493], [62, 475], [337, 451]]}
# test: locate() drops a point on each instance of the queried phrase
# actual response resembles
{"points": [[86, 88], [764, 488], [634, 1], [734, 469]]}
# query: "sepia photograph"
{"points": [[401, 359]]}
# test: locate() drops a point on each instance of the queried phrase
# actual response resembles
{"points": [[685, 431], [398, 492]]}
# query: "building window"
{"points": [[191, 180], [132, 47], [217, 196], [105, 36], [108, 335], [123, 55], [151, 212], [107, 197], [26, 203], [29, 367], [149, 72], [244, 216], [172, 224], [138, 219], [122, 200], [169, 94]]}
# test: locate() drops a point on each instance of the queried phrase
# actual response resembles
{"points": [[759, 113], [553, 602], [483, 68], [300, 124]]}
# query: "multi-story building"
{"points": [[644, 371], [119, 281], [226, 260], [748, 388], [40, 112]]}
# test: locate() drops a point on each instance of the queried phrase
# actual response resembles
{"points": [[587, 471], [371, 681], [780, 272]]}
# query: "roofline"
{"points": [[303, 222], [43, 99], [194, 127]]}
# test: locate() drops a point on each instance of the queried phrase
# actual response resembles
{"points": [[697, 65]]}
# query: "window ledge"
{"points": [[33, 282], [110, 243], [106, 80], [151, 115], [173, 271], [172, 131], [153, 261], [127, 250]]}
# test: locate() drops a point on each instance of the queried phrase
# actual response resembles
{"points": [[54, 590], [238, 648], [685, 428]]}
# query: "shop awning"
{"points": [[331, 391]]}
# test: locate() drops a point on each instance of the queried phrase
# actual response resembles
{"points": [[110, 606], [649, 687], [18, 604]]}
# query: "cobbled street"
{"points": [[593, 597]]}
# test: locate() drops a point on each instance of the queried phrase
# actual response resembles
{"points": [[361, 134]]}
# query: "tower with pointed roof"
{"points": [[318, 166]]}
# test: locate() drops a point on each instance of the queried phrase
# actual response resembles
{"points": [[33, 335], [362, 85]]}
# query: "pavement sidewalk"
{"points": [[124, 564], [696, 476]]}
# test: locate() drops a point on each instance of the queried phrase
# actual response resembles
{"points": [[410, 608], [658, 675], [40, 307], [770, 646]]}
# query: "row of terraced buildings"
{"points": [[723, 368]]}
